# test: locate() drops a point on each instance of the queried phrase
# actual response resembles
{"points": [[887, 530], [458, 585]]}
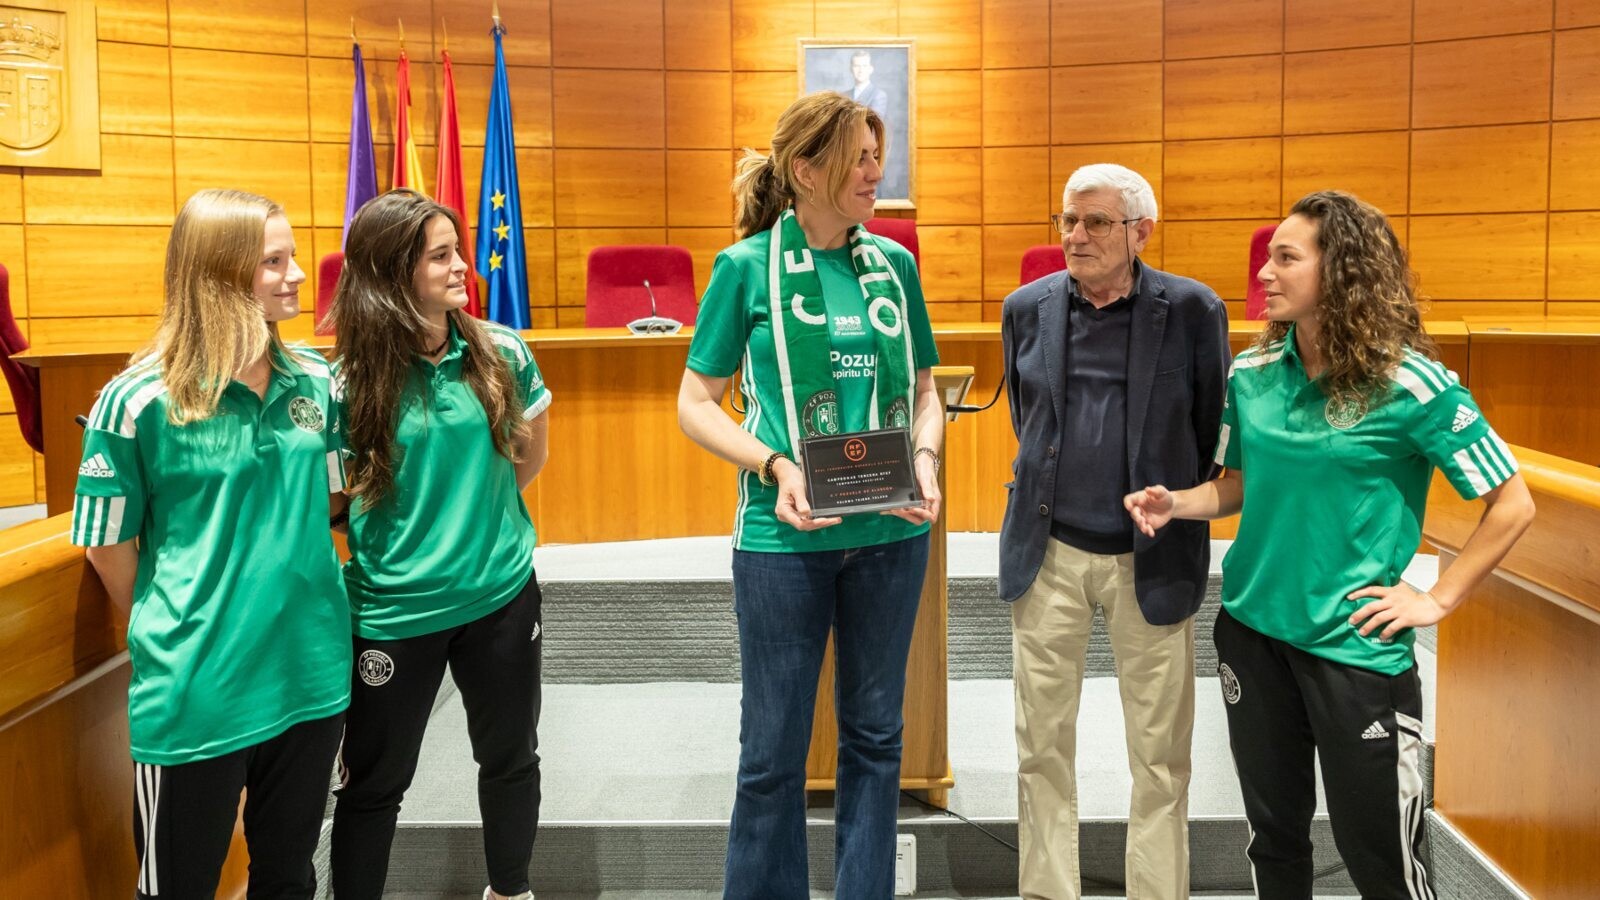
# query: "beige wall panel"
{"points": [[758, 99], [278, 171], [1105, 104], [1501, 168], [949, 109], [952, 262], [536, 176], [950, 187], [1216, 253], [60, 285], [703, 245], [1003, 246], [238, 26], [1459, 83], [134, 21], [1320, 25], [1016, 107], [1577, 13], [856, 19], [1016, 33], [1577, 90], [1205, 28], [1216, 98], [765, 34], [1234, 179], [1016, 185], [572, 246], [700, 110], [16, 465], [947, 32], [1094, 33], [135, 89], [1480, 257], [330, 164], [527, 38], [1574, 175], [1142, 158], [10, 194], [74, 328], [698, 188], [133, 187], [531, 113], [955, 313], [219, 94], [1444, 20], [699, 34], [608, 108], [541, 244], [1574, 264], [608, 34], [328, 28], [1371, 166], [1341, 91], [15, 259]]}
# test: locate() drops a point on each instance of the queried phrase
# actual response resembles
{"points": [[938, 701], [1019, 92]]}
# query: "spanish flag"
{"points": [[407, 168], [451, 191]]}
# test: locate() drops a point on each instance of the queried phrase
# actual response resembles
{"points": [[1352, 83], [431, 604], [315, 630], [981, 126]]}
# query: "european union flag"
{"points": [[502, 260]]}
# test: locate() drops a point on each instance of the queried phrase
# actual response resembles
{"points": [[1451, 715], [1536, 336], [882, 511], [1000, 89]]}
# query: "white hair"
{"points": [[1138, 198]]}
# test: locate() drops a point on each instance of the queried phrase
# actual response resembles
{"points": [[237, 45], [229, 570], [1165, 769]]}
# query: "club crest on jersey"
{"points": [[1230, 684], [306, 415], [375, 667], [1345, 412], [821, 414], [898, 414]]}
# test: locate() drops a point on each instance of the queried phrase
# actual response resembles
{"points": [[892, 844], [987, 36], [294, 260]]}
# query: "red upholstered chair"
{"points": [[616, 293], [23, 380], [1042, 260], [1255, 298], [328, 272], [901, 231]]}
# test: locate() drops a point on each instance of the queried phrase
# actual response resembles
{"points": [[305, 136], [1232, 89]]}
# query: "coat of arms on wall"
{"points": [[49, 86]]}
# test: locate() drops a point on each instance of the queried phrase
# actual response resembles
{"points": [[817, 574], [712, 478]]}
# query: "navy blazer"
{"points": [[1178, 360]]}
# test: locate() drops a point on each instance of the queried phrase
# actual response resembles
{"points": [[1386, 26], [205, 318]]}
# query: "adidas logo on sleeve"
{"points": [[1465, 415], [97, 467], [1374, 732]]}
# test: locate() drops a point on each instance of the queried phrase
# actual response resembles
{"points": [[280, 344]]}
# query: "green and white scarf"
{"points": [[800, 330]]}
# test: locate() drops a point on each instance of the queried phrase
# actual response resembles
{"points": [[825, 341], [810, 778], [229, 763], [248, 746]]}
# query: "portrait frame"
{"points": [[827, 64]]}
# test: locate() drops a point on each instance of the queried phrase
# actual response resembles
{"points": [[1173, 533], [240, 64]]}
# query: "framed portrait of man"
{"points": [[880, 74]]}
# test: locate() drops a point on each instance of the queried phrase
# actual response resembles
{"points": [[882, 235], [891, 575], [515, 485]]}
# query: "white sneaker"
{"points": [[488, 894]]}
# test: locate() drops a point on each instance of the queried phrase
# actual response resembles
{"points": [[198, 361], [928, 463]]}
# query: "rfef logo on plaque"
{"points": [[863, 471], [49, 87]]}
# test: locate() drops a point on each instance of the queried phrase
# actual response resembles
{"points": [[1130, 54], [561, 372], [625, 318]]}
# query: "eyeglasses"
{"points": [[1096, 226]]}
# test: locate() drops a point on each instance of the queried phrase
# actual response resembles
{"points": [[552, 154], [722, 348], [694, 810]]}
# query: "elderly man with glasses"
{"points": [[1116, 375]]}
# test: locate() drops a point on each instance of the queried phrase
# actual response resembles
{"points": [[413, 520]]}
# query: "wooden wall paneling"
{"points": [[330, 164], [1454, 84], [13, 255], [1371, 166], [699, 110], [536, 177], [703, 245], [1003, 246], [855, 19], [1016, 185], [587, 102], [1577, 74], [277, 170], [620, 188], [758, 99], [330, 83], [699, 34], [1207, 28], [16, 464], [698, 183], [1443, 20], [222, 97], [527, 38], [1232, 179], [1142, 158], [532, 113], [1502, 168], [1216, 98], [60, 285], [1437, 309], [1215, 252], [1089, 34], [952, 263], [1016, 33], [1528, 390], [201, 24], [1316, 25], [572, 246], [1574, 178], [1340, 91], [10, 194], [541, 246], [765, 33], [1448, 253], [132, 21], [980, 445], [949, 187], [955, 313], [1105, 104], [135, 89], [949, 109], [612, 34], [133, 187], [1577, 13], [78, 329], [328, 29], [1574, 264], [947, 33], [381, 76], [1016, 107], [1573, 309]]}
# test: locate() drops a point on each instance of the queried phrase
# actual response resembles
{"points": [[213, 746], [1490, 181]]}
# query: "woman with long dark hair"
{"points": [[1334, 423], [444, 421]]}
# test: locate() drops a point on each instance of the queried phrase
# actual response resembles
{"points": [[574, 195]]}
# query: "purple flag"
{"points": [[361, 184]]}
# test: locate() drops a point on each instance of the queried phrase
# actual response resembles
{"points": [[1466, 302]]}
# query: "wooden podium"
{"points": [[925, 761]]}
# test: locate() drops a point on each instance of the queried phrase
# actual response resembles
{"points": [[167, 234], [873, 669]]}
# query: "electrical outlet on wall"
{"points": [[905, 865]]}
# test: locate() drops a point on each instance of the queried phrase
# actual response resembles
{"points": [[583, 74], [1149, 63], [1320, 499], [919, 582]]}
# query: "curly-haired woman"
{"points": [[1335, 420]]}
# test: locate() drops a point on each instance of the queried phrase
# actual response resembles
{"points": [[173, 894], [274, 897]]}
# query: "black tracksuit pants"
{"points": [[495, 664], [1286, 708]]}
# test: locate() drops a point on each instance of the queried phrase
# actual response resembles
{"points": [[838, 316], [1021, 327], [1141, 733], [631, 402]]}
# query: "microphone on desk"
{"points": [[653, 323], [968, 408]]}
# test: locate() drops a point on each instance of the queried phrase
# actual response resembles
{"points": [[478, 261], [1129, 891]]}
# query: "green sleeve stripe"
{"points": [[512, 341], [1436, 375]]}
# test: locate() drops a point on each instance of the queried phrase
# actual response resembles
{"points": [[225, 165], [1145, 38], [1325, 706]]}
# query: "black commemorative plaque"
{"points": [[864, 471]]}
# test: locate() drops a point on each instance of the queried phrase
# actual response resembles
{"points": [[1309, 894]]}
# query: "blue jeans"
{"points": [[786, 604]]}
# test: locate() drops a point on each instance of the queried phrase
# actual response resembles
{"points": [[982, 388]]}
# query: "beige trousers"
{"points": [[1155, 674]]}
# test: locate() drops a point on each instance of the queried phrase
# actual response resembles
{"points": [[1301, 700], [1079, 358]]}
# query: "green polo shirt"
{"points": [[1334, 494], [240, 626], [452, 542], [732, 330]]}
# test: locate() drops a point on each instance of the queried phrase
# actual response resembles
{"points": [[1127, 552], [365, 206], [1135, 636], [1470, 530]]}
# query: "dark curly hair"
{"points": [[1370, 311]]}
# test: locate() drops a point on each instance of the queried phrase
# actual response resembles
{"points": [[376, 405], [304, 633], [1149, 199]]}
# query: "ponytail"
{"points": [[759, 195]]}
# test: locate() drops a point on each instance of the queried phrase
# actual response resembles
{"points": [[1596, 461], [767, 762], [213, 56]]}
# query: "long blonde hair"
{"points": [[820, 128], [212, 325]]}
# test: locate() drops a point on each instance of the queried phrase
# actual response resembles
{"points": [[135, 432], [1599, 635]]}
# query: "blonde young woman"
{"points": [[830, 327], [203, 500], [1333, 425]]}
